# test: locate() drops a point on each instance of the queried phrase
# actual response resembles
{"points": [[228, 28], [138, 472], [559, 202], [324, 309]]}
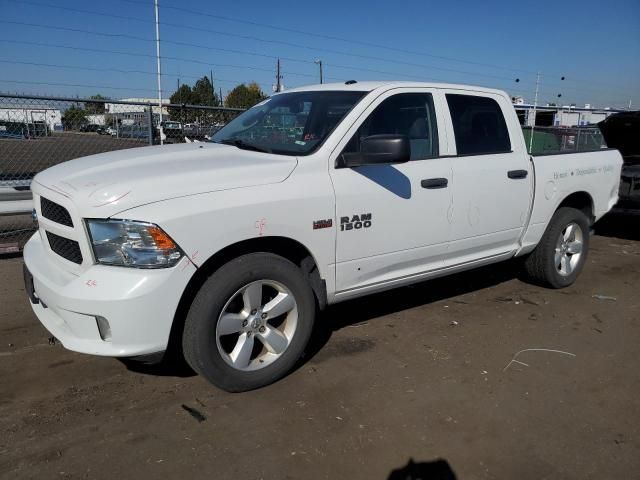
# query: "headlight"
{"points": [[132, 244]]}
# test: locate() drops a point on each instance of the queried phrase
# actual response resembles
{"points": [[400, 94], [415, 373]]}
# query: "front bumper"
{"points": [[138, 305]]}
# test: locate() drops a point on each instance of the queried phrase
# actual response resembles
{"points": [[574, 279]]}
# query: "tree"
{"points": [[74, 117], [203, 93], [182, 96], [245, 96], [96, 108]]}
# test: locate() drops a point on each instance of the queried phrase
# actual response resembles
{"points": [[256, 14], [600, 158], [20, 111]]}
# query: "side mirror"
{"points": [[378, 150]]}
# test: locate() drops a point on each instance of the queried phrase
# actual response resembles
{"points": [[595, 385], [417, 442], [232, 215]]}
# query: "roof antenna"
{"points": [[350, 82]]}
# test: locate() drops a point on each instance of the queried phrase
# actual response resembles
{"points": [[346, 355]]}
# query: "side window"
{"points": [[478, 124], [410, 114]]}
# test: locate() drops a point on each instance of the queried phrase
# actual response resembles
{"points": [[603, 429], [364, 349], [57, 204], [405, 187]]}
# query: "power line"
{"points": [[53, 84], [118, 70], [293, 45], [90, 12], [146, 55], [179, 75], [330, 37], [97, 87], [509, 89], [325, 50], [119, 35], [244, 52], [78, 30], [262, 40], [342, 39], [167, 74], [143, 39]]}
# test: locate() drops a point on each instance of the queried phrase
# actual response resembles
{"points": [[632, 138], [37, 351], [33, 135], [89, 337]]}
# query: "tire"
{"points": [[268, 343], [547, 264]]}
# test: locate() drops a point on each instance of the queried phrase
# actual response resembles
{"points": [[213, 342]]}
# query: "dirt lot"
{"points": [[419, 373]]}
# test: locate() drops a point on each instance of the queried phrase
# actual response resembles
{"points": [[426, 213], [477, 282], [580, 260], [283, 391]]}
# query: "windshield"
{"points": [[290, 123]]}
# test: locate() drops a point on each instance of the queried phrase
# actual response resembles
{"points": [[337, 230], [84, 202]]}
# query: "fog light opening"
{"points": [[104, 328]]}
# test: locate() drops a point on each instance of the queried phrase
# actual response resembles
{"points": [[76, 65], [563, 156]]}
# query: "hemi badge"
{"points": [[318, 224]]}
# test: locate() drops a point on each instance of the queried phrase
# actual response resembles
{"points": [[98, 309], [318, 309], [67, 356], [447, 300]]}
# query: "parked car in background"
{"points": [[312, 197], [622, 131], [171, 132], [90, 127], [133, 131]]}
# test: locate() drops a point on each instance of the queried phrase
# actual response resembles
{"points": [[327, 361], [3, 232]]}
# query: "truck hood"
{"points": [[105, 184]]}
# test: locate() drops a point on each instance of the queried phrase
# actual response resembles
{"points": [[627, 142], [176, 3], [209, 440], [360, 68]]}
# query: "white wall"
{"points": [[96, 119], [573, 118], [30, 115]]}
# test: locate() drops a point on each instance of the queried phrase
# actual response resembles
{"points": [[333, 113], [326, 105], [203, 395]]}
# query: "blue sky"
{"points": [[595, 45]]}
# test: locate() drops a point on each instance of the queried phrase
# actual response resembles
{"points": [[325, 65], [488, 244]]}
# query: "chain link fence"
{"points": [[39, 132], [548, 140]]}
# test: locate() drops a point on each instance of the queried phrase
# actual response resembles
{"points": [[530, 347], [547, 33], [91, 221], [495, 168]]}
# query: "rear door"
{"points": [[392, 219], [492, 177]]}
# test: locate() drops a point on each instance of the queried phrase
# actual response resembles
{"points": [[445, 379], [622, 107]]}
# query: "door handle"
{"points": [[517, 174], [433, 183]]}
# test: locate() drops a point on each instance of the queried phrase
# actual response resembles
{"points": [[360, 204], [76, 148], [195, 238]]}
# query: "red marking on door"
{"points": [[261, 226]]}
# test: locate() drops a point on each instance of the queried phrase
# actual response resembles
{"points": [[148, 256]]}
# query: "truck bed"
{"points": [[596, 174]]}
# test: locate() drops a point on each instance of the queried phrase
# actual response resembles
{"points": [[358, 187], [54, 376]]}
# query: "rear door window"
{"points": [[478, 124]]}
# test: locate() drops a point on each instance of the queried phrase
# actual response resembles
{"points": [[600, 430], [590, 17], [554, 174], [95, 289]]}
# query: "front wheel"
{"points": [[250, 322], [561, 254]]}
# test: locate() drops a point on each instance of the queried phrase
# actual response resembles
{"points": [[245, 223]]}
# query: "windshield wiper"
{"points": [[236, 142]]}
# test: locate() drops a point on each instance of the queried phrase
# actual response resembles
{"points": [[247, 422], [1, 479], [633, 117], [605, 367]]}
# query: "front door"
{"points": [[392, 219]]}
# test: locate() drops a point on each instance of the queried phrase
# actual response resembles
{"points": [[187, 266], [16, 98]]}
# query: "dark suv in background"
{"points": [[622, 131]]}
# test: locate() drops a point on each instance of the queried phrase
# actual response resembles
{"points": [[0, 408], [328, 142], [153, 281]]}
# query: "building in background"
{"points": [[559, 116], [37, 117], [137, 114], [97, 119], [569, 117]]}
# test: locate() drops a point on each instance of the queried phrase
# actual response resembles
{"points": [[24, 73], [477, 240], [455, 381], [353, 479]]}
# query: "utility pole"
{"points": [[535, 107], [213, 90], [155, 3], [319, 63], [278, 77], [181, 102]]}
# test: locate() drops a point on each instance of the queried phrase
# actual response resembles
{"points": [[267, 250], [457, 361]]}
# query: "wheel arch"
{"points": [[285, 247], [582, 201]]}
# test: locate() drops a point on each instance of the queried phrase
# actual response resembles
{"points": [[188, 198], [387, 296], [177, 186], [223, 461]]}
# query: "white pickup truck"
{"points": [[314, 196]]}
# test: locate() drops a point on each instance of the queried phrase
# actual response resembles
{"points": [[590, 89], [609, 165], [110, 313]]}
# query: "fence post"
{"points": [[150, 122]]}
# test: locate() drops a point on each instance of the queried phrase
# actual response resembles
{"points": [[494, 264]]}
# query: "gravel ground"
{"points": [[419, 376]]}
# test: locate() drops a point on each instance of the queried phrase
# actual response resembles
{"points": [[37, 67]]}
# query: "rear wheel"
{"points": [[560, 256], [250, 322]]}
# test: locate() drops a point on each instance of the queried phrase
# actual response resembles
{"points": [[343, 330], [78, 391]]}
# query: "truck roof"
{"points": [[368, 86]]}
